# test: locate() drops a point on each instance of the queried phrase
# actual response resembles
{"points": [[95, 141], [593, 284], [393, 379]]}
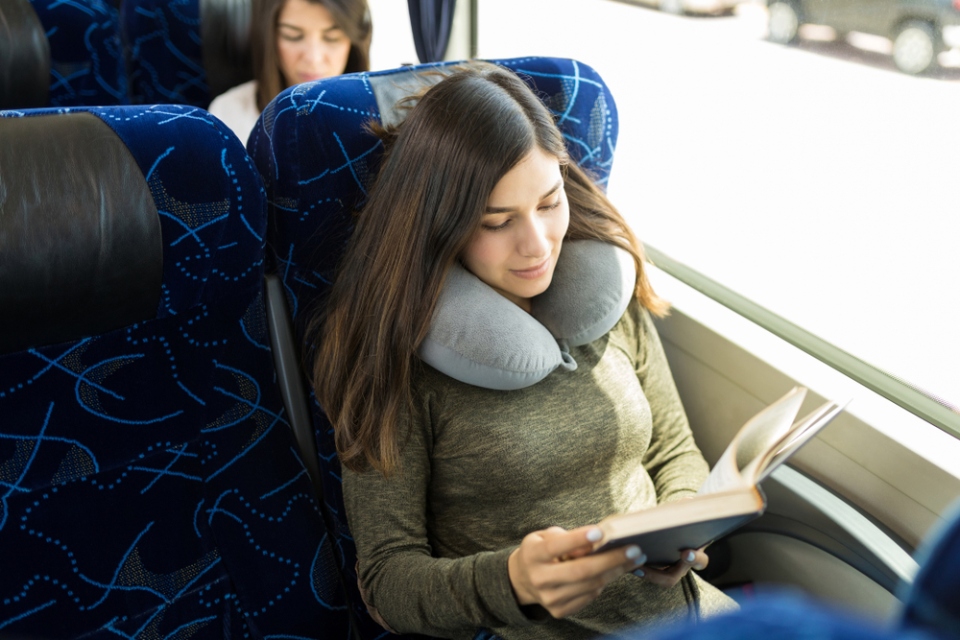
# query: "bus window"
{"points": [[814, 180]]}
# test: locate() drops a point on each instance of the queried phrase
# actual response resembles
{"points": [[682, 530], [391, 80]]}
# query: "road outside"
{"points": [[816, 180]]}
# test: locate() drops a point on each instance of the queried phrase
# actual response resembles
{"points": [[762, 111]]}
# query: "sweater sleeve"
{"points": [[673, 459], [408, 589]]}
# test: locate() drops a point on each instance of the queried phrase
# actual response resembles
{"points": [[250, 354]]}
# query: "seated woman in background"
{"points": [[474, 507], [296, 41]]}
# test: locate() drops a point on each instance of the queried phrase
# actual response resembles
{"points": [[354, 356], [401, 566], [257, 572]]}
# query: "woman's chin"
{"points": [[530, 292]]}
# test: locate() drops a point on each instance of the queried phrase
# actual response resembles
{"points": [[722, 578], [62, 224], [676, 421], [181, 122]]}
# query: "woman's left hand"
{"points": [[670, 576]]}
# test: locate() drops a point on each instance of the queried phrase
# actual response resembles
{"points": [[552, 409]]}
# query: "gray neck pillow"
{"points": [[479, 337]]}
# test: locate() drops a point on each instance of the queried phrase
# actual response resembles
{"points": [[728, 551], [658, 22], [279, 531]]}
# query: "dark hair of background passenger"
{"points": [[352, 16], [426, 203]]}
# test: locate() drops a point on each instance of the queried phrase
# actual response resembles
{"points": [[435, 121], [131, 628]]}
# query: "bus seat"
{"points": [[24, 57], [931, 608], [932, 603], [149, 483], [186, 51], [225, 32], [317, 160], [86, 55]]}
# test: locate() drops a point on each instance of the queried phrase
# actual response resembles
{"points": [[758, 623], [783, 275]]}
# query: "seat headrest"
{"points": [[206, 232], [24, 57], [225, 33], [79, 232], [390, 89]]}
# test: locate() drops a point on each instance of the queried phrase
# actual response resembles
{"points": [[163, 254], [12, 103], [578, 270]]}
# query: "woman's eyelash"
{"points": [[502, 225]]}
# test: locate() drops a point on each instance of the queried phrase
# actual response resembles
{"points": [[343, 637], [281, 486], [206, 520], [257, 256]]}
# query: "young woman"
{"points": [[474, 507], [296, 41]]}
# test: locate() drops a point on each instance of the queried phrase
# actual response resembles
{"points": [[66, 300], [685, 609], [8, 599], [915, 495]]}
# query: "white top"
{"points": [[237, 108]]}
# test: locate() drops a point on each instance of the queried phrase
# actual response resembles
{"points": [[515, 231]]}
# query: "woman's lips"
{"points": [[534, 272]]}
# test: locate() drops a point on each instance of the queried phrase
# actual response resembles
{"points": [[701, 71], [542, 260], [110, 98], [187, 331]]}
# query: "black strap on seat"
{"points": [[24, 57], [80, 246]]}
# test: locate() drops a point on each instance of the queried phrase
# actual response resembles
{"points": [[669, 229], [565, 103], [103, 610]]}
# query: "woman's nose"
{"points": [[534, 242], [315, 52]]}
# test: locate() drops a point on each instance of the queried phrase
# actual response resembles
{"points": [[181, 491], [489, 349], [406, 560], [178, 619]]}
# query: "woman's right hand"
{"points": [[554, 568]]}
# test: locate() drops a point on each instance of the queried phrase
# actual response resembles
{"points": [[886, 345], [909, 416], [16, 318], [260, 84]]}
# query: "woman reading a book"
{"points": [[472, 506]]}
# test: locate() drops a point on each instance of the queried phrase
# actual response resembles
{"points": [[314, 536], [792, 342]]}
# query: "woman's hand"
{"points": [[554, 568], [670, 576]]}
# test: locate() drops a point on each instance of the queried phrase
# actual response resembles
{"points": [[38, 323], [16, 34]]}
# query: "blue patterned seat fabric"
{"points": [[317, 160], [783, 617], [932, 603], [86, 55], [164, 47], [149, 483]]}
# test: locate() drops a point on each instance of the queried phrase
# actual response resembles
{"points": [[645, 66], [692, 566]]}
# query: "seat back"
{"points": [[932, 603], [149, 483], [24, 57], [317, 159], [86, 55], [186, 51], [164, 54]]}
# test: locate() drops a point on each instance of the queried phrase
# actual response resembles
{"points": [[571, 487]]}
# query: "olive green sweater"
{"points": [[483, 468]]}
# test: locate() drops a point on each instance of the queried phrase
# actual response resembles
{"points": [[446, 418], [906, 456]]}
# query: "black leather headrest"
{"points": [[225, 31], [24, 57], [80, 246]]}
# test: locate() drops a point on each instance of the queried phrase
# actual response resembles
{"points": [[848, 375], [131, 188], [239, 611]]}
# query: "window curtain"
{"points": [[431, 21]]}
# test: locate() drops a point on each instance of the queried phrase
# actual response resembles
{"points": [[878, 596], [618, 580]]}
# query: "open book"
{"points": [[731, 495]]}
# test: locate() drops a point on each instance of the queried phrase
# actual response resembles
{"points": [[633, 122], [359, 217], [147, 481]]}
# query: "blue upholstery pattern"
{"points": [[149, 482], [933, 601], [317, 160], [784, 618], [164, 47], [86, 55]]}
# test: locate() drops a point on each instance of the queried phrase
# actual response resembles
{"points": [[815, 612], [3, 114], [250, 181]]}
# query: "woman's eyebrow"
{"points": [[549, 193], [293, 27]]}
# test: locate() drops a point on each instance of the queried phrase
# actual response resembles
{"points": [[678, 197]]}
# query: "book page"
{"points": [[757, 437], [763, 431], [800, 433], [724, 476]]}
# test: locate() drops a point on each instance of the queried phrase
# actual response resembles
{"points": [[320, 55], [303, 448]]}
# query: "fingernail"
{"points": [[594, 535], [633, 552], [698, 567], [639, 573], [641, 560], [691, 556]]}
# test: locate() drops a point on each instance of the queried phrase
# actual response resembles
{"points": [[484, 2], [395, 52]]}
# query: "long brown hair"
{"points": [[462, 136], [353, 18]]}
